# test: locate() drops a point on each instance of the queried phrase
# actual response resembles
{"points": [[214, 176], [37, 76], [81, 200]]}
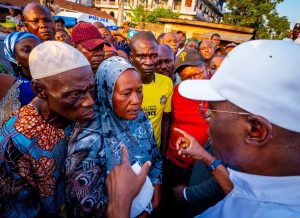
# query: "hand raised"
{"points": [[188, 145], [123, 185]]}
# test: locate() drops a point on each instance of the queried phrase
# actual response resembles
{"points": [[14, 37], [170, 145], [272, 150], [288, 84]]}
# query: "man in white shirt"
{"points": [[254, 116], [254, 127]]}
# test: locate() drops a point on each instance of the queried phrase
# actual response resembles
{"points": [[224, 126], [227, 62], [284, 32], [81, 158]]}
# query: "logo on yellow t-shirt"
{"points": [[150, 110], [163, 100]]}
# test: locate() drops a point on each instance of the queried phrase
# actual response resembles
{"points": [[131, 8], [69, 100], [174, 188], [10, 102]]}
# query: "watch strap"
{"points": [[214, 165]]}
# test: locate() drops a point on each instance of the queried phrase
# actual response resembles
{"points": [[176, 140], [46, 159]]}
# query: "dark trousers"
{"points": [[173, 176]]}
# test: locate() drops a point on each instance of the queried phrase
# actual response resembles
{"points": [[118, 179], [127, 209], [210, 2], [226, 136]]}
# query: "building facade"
{"points": [[206, 10], [209, 10]]}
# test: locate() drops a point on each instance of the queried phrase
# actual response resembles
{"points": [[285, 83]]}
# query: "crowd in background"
{"points": [[75, 97]]}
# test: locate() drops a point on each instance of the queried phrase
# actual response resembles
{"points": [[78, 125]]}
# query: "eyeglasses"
{"points": [[206, 111]]}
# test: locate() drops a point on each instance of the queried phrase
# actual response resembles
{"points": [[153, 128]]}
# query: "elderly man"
{"points": [[254, 127], [250, 129], [39, 21], [34, 139]]}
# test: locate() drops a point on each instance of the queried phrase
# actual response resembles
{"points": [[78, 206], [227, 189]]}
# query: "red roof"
{"points": [[66, 5], [18, 2], [84, 9]]}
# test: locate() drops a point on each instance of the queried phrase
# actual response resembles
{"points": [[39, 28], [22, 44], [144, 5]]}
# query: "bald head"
{"points": [[165, 64], [166, 49], [39, 21]]}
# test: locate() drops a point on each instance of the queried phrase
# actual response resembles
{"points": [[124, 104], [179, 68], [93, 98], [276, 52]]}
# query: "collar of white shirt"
{"points": [[283, 189]]}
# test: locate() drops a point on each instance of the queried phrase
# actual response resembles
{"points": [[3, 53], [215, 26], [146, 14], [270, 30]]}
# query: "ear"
{"points": [[259, 130], [38, 88], [131, 57]]}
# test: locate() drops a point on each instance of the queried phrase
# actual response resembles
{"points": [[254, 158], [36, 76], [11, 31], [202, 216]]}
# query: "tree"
{"points": [[258, 14], [161, 13], [141, 14], [137, 14]]}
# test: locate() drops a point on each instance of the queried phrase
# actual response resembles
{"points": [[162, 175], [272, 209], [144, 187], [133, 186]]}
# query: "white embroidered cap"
{"points": [[51, 58]]}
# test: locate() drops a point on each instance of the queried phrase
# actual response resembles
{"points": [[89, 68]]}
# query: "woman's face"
{"points": [[23, 49], [128, 96]]}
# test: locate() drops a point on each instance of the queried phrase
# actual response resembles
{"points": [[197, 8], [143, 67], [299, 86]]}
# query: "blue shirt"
{"points": [[256, 196]]}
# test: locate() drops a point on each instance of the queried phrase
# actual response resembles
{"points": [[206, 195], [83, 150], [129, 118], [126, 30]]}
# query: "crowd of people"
{"points": [[94, 123]]}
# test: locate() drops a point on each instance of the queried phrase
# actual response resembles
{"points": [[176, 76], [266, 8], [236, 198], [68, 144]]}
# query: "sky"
{"points": [[291, 9]]}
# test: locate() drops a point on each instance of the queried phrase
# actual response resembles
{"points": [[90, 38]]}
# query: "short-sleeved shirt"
{"points": [[186, 116], [157, 100]]}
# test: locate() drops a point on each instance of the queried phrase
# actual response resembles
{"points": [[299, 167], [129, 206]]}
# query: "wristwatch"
{"points": [[214, 165]]}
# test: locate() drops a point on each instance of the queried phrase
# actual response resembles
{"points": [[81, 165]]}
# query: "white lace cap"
{"points": [[51, 58]]}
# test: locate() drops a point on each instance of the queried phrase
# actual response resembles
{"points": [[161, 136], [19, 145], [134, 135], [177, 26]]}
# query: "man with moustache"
{"points": [[39, 21], [254, 128]]}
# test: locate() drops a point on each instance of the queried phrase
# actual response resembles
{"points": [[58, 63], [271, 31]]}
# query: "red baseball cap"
{"points": [[86, 35]]}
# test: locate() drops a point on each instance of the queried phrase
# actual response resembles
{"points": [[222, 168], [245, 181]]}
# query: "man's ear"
{"points": [[259, 130], [131, 57], [39, 88]]}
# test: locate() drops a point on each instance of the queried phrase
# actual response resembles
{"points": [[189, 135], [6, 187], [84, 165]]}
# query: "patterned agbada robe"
{"points": [[32, 154]]}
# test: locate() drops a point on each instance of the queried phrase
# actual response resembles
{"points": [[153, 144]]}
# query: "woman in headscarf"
{"points": [[95, 147], [17, 47], [15, 91]]}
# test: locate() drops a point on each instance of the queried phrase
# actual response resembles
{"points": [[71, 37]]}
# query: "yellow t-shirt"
{"points": [[157, 100]]}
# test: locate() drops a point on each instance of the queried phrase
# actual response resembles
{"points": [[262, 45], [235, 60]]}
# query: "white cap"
{"points": [[261, 77], [51, 58]]}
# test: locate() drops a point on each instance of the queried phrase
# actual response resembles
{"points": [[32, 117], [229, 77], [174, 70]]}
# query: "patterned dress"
{"points": [[18, 95], [32, 155], [95, 148]]}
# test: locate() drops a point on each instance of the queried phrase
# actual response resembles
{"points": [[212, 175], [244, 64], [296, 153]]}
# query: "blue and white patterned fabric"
{"points": [[10, 42], [95, 149]]}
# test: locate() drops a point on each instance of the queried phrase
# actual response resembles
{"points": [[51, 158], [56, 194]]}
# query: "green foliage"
{"points": [[161, 13], [137, 14], [258, 14], [140, 14]]}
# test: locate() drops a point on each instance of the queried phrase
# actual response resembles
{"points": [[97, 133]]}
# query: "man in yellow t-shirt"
{"points": [[157, 100], [157, 89]]}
